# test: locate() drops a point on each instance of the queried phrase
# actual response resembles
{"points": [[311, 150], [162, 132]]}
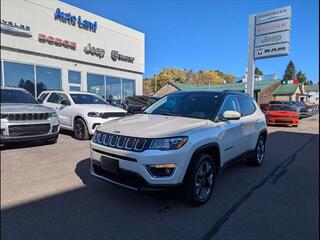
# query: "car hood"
{"points": [[151, 125], [100, 108], [24, 108]]}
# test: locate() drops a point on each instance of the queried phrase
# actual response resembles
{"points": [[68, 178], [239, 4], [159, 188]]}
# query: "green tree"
{"points": [[301, 77], [257, 71], [290, 71]]}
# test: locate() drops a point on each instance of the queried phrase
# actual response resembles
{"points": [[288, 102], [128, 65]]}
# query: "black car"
{"points": [[136, 104]]}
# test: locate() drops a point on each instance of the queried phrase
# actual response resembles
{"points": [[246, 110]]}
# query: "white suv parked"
{"points": [[185, 138], [79, 111]]}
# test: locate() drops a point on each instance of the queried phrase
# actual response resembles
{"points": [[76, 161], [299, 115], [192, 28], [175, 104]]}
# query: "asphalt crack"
{"points": [[276, 173]]}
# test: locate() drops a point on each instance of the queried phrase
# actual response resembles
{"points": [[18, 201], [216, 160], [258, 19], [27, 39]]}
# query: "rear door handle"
{"points": [[241, 124]]}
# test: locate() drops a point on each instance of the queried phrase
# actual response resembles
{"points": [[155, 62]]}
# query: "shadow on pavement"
{"points": [[99, 210]]}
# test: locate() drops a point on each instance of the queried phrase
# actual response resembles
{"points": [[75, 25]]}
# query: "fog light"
{"points": [[161, 170], [55, 128]]}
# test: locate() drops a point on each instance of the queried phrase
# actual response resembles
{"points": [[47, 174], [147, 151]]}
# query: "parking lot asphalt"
{"points": [[48, 193]]}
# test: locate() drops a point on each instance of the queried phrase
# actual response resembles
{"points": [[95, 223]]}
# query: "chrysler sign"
{"points": [[15, 29], [273, 15]]}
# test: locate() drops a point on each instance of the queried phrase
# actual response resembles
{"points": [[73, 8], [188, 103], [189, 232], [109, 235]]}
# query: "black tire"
{"points": [[198, 187], [80, 129], [258, 156], [51, 140]]}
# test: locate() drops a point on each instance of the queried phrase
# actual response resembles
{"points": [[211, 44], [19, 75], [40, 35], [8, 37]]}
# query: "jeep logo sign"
{"points": [[272, 38], [94, 51]]}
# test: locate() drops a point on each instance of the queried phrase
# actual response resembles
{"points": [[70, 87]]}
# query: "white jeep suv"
{"points": [[80, 111], [184, 138]]}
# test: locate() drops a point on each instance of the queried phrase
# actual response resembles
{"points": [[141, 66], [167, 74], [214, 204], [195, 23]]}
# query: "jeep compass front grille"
{"points": [[121, 142]]}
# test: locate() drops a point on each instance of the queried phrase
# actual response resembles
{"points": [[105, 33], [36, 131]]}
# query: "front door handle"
{"points": [[241, 124]]}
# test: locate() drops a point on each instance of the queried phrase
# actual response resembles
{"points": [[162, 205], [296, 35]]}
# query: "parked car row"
{"points": [[24, 118], [287, 112]]}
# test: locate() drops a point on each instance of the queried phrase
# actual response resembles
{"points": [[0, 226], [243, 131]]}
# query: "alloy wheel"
{"points": [[260, 150], [204, 181], [79, 130]]}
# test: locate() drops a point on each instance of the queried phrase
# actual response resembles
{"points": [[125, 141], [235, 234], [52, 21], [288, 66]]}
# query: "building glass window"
{"points": [[96, 84], [74, 88], [113, 90], [74, 77], [19, 75], [48, 79], [128, 87]]}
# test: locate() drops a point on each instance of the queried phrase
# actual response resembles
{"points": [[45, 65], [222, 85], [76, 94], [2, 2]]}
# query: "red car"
{"points": [[281, 114]]}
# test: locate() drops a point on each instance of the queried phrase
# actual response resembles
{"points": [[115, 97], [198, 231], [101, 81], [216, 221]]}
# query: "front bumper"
{"points": [[282, 121], [6, 137], [133, 167]]}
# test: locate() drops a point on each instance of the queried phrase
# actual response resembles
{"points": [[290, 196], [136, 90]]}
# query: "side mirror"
{"points": [[231, 115], [40, 100]]}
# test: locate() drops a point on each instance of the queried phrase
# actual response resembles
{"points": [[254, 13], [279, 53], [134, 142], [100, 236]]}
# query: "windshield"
{"points": [[87, 99], [193, 105], [16, 96], [280, 108]]}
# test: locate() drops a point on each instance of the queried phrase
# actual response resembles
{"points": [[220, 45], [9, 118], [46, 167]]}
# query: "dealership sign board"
{"points": [[272, 38], [269, 36], [272, 33], [277, 26], [15, 29], [51, 40], [268, 51], [273, 15], [75, 20]]}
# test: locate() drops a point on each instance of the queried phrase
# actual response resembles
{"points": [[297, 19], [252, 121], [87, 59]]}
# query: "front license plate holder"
{"points": [[109, 164]]}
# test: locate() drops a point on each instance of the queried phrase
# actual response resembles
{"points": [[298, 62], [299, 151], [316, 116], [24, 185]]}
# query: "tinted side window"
{"points": [[43, 96], [54, 98], [246, 105], [57, 98], [230, 104]]}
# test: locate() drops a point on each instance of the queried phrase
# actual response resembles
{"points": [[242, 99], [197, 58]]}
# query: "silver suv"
{"points": [[24, 119], [184, 138]]}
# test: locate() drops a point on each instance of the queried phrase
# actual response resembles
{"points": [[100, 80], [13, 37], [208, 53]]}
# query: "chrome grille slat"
{"points": [[120, 142]]}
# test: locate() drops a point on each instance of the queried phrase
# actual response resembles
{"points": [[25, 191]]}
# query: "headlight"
{"points": [[168, 143], [53, 114], [94, 114]]}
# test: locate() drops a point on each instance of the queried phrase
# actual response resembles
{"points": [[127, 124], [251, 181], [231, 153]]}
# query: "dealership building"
{"points": [[47, 44]]}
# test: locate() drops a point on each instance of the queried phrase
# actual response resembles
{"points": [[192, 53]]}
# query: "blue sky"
{"points": [[211, 34]]}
